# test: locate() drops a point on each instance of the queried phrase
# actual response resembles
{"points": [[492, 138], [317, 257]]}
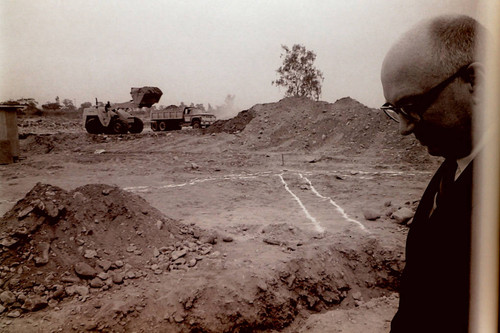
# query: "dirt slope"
{"points": [[346, 128]]}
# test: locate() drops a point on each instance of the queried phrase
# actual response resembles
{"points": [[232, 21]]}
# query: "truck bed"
{"points": [[166, 114]]}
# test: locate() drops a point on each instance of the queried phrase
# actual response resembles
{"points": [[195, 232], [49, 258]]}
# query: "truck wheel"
{"points": [[162, 126], [93, 126], [118, 126], [154, 126], [137, 126], [196, 124]]}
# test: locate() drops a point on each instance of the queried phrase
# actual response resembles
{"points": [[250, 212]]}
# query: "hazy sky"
{"points": [[201, 50]]}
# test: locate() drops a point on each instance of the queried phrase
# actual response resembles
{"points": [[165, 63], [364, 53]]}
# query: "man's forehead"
{"points": [[408, 68]]}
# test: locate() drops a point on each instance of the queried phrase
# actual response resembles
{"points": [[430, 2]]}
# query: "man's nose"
{"points": [[406, 126]]}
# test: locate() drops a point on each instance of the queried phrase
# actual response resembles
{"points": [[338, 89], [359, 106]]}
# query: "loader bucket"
{"points": [[146, 96]]}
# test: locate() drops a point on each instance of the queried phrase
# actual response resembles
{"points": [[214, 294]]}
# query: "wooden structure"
{"points": [[9, 137]]}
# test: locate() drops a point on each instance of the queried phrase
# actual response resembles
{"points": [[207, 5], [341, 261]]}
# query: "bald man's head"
{"points": [[428, 53], [430, 79]]}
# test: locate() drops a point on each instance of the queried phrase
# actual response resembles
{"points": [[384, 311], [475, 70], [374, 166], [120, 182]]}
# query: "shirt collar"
{"points": [[464, 162]]}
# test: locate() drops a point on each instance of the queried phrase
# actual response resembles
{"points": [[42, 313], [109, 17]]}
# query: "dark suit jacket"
{"points": [[434, 291]]}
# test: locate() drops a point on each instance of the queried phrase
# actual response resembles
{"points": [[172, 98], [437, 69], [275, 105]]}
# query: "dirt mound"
{"points": [[31, 143], [233, 125], [58, 244], [103, 258], [45, 143], [49, 124], [345, 127]]}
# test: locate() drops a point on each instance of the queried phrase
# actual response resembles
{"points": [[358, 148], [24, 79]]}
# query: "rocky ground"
{"points": [[288, 217]]}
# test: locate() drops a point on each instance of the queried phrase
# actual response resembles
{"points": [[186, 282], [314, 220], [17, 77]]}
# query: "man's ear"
{"points": [[474, 76]]}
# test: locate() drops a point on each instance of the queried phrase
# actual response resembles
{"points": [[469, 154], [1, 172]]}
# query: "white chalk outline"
{"points": [[266, 173], [339, 209], [196, 181], [316, 224]]}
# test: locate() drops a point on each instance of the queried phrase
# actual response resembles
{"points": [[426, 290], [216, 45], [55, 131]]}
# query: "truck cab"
{"points": [[197, 118]]}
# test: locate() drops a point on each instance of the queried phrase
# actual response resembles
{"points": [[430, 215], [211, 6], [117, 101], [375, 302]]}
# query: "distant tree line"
{"points": [[32, 106], [67, 105]]}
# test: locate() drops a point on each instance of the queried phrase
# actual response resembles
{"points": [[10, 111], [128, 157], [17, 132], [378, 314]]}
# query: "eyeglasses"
{"points": [[414, 110]]}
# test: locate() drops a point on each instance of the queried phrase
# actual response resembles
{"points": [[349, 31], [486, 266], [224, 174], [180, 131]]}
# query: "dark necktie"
{"points": [[447, 179]]}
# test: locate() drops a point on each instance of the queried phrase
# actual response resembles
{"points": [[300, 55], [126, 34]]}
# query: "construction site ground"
{"points": [[275, 220]]}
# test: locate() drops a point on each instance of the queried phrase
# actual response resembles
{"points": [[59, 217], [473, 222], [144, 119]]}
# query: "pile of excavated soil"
{"points": [[32, 143], [233, 125], [346, 128], [57, 244], [46, 143], [104, 258]]}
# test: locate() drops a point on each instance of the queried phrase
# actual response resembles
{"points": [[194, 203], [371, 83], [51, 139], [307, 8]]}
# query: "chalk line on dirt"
{"points": [[339, 209], [316, 224], [197, 180]]}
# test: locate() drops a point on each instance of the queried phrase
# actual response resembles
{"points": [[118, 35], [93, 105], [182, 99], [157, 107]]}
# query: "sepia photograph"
{"points": [[274, 166]]}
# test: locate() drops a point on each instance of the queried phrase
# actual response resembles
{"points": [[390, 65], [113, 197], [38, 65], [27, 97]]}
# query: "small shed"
{"points": [[9, 137]]}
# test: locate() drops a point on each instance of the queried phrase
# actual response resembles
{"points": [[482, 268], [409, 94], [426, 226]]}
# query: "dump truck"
{"points": [[116, 118], [174, 118]]}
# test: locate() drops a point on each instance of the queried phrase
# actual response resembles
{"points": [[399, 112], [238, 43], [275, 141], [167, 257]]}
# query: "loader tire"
{"points": [[93, 126], [118, 126], [137, 126]]}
